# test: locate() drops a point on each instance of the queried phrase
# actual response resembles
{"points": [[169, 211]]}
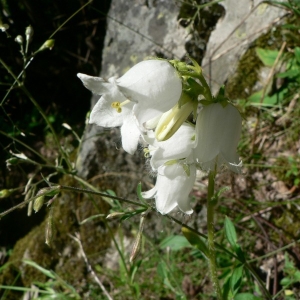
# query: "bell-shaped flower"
{"points": [[218, 130], [173, 184], [146, 91], [178, 147]]}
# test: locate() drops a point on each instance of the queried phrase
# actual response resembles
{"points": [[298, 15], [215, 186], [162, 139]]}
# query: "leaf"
{"points": [[230, 233], [195, 240], [268, 57], [268, 101], [162, 270], [246, 296], [236, 279], [240, 254], [297, 54], [38, 267], [226, 290], [175, 242], [289, 74]]}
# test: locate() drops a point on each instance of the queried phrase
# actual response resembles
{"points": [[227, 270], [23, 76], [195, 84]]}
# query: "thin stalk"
{"points": [[62, 152], [260, 282], [28, 147], [211, 234], [40, 111], [96, 192]]}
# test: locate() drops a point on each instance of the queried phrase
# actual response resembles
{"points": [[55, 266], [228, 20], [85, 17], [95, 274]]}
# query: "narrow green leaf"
{"points": [[195, 240], [38, 267], [230, 233], [139, 193], [162, 270], [289, 74], [236, 279], [92, 218], [297, 54], [23, 289], [239, 252], [226, 293]]}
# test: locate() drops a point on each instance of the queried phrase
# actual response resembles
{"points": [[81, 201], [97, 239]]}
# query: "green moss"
{"points": [[69, 209], [289, 223], [240, 85]]}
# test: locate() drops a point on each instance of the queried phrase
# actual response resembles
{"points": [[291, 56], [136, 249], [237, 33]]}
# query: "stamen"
{"points": [[118, 106], [146, 152]]}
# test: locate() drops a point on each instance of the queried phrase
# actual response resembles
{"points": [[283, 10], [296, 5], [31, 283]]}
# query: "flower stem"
{"points": [[211, 234]]}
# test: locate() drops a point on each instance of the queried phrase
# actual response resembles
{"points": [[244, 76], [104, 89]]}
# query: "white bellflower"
{"points": [[218, 130], [146, 91]]}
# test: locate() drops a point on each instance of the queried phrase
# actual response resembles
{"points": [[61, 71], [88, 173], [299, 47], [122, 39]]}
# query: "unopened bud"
{"points": [[171, 120], [12, 161], [49, 191], [115, 215], [5, 193], [49, 44], [38, 203], [137, 243], [49, 229], [29, 208], [29, 33], [19, 39], [4, 27]]}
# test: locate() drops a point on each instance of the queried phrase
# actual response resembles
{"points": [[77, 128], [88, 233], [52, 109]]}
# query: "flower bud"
{"points": [[49, 229], [29, 33], [29, 208], [137, 243], [19, 39], [170, 121], [5, 193], [115, 215], [38, 203], [4, 27], [49, 44], [12, 162], [49, 191]]}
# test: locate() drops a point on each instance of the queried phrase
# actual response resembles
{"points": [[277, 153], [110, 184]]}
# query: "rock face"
{"points": [[244, 22], [148, 28], [135, 30]]}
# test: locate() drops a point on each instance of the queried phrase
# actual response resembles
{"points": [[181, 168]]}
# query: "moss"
{"points": [[69, 209], [289, 223], [240, 85]]}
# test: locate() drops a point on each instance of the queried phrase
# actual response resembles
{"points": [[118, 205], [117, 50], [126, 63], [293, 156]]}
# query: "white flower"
{"points": [[179, 146], [172, 188], [146, 91], [175, 172], [218, 131]]}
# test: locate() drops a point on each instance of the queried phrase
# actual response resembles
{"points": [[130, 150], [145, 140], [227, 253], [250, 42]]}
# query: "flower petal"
{"points": [[104, 115], [218, 131], [179, 146], [187, 185], [97, 85], [172, 188], [130, 134], [154, 85]]}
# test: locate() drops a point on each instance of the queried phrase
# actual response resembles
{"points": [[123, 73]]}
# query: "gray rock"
{"points": [[244, 22], [148, 28]]}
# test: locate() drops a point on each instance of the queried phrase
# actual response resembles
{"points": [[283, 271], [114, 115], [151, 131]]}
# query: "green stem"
{"points": [[211, 234], [27, 93]]}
